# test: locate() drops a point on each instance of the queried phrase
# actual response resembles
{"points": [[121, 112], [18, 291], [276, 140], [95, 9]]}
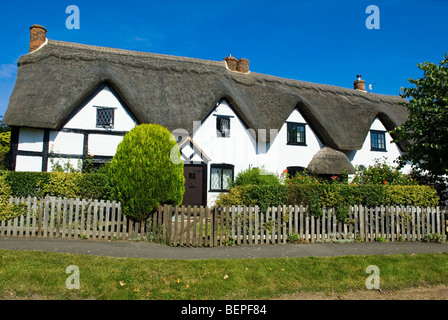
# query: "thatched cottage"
{"points": [[71, 100]]}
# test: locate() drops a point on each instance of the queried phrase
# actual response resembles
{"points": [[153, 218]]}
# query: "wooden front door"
{"points": [[195, 185]]}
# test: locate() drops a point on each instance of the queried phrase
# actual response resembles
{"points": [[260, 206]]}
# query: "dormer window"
{"points": [[105, 117], [296, 134], [223, 126], [378, 140]]}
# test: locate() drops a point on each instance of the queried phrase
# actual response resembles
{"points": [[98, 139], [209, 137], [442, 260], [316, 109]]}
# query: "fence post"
{"points": [[284, 225], [256, 218], [324, 224], [215, 229]]}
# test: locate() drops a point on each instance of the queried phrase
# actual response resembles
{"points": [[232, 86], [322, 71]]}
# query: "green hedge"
{"points": [[338, 196], [59, 184]]}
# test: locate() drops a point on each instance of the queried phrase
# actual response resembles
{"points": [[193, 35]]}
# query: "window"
{"points": [[293, 171], [378, 140], [296, 134], [223, 126], [221, 176], [105, 117]]}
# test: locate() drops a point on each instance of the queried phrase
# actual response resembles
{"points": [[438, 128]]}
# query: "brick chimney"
{"points": [[231, 62], [38, 36], [359, 84], [242, 65]]}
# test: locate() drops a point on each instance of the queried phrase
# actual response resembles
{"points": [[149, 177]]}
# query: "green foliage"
{"points": [[263, 196], [439, 183], [331, 195], [435, 237], [25, 184], [40, 184], [381, 239], [60, 184], [88, 164], [8, 211], [235, 197], [381, 173], [142, 173], [93, 186], [5, 138], [303, 178], [425, 127], [256, 176], [422, 196]]}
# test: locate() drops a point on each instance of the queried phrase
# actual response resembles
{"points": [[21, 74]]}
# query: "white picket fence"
{"points": [[70, 218], [237, 225]]}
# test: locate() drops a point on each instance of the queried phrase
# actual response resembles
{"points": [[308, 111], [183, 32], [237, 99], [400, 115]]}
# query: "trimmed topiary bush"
{"points": [[143, 174]]}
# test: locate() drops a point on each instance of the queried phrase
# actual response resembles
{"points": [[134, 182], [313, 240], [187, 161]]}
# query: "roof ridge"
{"points": [[286, 81], [327, 87], [134, 53]]}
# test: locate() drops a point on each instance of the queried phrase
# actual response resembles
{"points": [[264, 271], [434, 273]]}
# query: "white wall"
{"points": [[281, 155], [31, 139], [242, 151], [239, 149], [367, 157], [72, 143], [104, 145], [29, 164], [86, 117], [66, 143]]}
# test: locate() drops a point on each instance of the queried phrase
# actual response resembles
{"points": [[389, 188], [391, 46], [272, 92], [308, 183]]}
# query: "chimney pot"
{"points": [[231, 62], [359, 84], [38, 36], [242, 66]]}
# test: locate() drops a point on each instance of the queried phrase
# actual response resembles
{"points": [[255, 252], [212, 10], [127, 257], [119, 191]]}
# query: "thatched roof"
{"points": [[329, 161], [175, 91]]}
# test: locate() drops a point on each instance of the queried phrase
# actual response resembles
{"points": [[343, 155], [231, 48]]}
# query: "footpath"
{"points": [[129, 249]]}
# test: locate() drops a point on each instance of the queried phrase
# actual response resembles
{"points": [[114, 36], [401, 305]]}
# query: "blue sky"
{"points": [[318, 41]]}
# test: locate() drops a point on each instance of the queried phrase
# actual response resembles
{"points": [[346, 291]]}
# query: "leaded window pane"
{"points": [[223, 126], [221, 176], [227, 175], [215, 183], [105, 117]]}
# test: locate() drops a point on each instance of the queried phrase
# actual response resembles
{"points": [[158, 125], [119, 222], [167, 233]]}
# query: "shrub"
{"points": [[255, 176], [60, 184], [93, 186], [235, 197], [25, 184], [142, 173], [421, 196], [263, 196], [334, 195], [40, 184], [382, 173], [5, 138], [8, 211]]}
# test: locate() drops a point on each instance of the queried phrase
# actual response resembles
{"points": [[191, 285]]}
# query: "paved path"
{"points": [[125, 249]]}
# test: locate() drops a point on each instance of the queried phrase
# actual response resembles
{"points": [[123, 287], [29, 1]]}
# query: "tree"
{"points": [[143, 174], [5, 138], [426, 126]]}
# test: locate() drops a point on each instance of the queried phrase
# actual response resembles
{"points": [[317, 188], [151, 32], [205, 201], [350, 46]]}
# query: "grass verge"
{"points": [[25, 274]]}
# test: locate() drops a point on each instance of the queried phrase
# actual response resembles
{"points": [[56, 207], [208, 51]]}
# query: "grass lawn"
{"points": [[24, 274]]}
